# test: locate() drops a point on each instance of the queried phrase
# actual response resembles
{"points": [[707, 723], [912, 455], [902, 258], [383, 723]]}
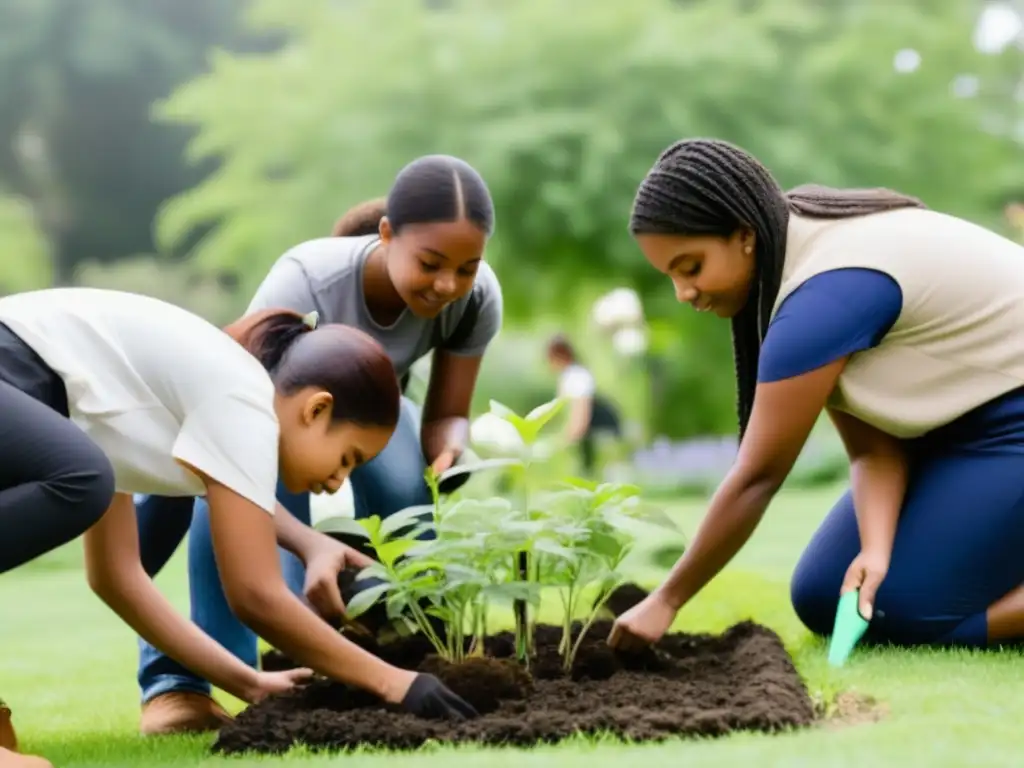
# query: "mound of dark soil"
{"points": [[706, 685]]}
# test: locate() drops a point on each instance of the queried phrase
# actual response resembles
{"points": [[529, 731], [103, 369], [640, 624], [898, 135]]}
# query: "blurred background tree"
{"points": [[77, 83], [563, 119], [252, 126]]}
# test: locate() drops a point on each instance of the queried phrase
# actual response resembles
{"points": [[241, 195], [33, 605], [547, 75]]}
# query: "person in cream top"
{"points": [[905, 325]]}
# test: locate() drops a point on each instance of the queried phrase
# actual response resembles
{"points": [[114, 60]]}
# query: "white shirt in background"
{"points": [[154, 385], [575, 382]]}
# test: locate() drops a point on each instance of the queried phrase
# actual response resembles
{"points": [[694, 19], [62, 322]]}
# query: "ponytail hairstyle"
{"points": [[338, 359], [711, 187], [363, 219]]}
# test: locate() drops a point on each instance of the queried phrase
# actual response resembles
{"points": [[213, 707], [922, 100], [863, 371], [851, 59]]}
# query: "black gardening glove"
{"points": [[429, 698]]}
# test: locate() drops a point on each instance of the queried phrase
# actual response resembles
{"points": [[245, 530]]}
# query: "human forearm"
{"points": [[444, 434], [732, 516], [878, 477], [784, 412], [131, 594], [115, 573], [301, 540], [579, 419], [278, 617], [244, 542], [879, 483]]}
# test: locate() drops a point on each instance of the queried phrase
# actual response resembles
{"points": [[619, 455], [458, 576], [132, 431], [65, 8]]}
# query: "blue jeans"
{"points": [[390, 482]]}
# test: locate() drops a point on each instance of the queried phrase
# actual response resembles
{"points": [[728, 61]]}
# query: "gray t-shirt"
{"points": [[326, 275]]}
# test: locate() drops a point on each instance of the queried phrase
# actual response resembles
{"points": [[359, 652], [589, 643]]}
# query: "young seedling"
{"points": [[403, 579], [528, 430], [595, 525], [483, 552]]}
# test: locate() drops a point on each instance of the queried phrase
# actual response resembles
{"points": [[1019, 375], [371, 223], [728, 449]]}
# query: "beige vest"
{"points": [[959, 339]]}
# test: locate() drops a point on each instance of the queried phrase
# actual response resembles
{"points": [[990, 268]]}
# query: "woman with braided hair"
{"points": [[904, 324]]}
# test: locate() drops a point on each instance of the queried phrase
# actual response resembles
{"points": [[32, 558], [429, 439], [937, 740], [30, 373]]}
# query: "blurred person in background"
{"points": [[105, 394], [409, 271], [905, 325], [590, 415]]}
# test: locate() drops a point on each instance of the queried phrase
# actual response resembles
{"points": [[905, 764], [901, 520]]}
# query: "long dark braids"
{"points": [[712, 187]]}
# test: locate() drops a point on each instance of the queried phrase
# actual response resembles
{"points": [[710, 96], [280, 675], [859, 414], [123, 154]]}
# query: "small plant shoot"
{"points": [[442, 567]]}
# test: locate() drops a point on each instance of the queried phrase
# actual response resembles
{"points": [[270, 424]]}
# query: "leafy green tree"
{"points": [[77, 78], [563, 105], [25, 263]]}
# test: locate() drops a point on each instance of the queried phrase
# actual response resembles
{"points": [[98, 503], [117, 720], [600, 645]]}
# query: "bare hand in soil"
{"points": [[321, 588], [643, 624], [269, 683], [428, 697], [866, 573]]}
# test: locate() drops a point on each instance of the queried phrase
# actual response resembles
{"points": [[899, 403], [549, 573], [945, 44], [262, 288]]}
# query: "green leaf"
{"points": [[373, 571], [607, 492], [481, 466], [438, 613], [542, 414], [458, 573], [549, 547], [657, 517], [349, 527], [494, 436], [361, 602], [410, 568], [471, 516], [372, 527], [626, 524], [523, 427], [397, 604], [390, 551], [580, 482], [606, 545], [510, 592], [417, 515], [498, 409]]}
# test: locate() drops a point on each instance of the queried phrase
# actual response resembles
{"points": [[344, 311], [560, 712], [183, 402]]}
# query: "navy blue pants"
{"points": [[959, 548]]}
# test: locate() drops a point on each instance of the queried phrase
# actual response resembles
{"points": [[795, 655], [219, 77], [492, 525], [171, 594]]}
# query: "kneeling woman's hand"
{"points": [[866, 573], [643, 624]]}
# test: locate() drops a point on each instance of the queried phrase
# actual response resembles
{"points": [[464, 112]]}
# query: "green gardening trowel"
{"points": [[849, 628]]}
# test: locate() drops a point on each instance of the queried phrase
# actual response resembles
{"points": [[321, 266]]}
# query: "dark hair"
{"points": [[340, 359], [560, 346], [363, 219], [439, 188], [711, 187]]}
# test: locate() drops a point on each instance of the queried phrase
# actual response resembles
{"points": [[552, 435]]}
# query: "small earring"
{"points": [[748, 249]]}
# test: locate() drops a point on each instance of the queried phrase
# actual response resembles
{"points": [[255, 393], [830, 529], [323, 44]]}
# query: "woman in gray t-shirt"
{"points": [[409, 271]]}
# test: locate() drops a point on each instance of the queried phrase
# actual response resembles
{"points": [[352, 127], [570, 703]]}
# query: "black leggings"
{"points": [[54, 481]]}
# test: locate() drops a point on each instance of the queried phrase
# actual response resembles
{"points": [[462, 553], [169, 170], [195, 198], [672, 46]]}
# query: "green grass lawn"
{"points": [[67, 667]]}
